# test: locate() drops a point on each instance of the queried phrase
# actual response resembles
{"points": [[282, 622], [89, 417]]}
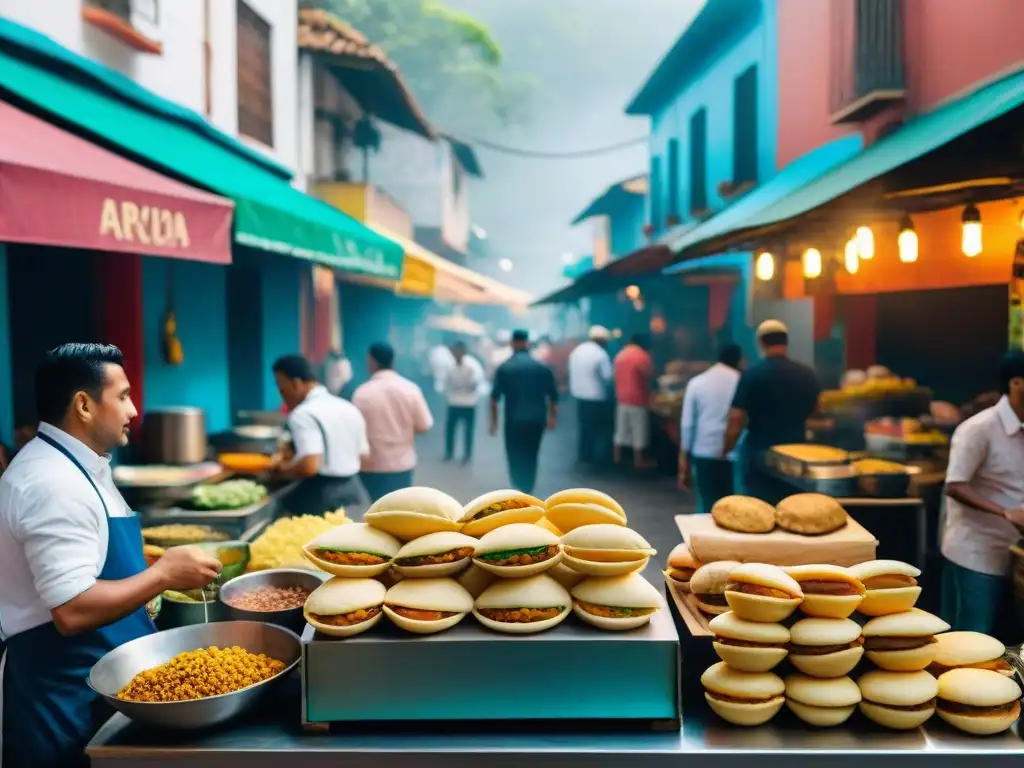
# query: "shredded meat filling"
{"points": [[821, 650], [520, 615], [610, 612], [501, 506], [736, 700], [757, 589], [930, 704], [349, 558], [419, 614], [959, 708], [346, 619], [746, 643], [522, 557], [709, 599], [896, 643], [890, 581], [820, 587], [439, 559]]}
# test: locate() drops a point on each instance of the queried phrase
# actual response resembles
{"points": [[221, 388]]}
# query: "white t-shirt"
{"points": [[342, 424], [590, 372], [441, 361], [464, 381], [705, 414], [53, 531]]}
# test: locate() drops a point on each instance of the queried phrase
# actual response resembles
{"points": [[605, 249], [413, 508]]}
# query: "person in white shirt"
{"points": [[441, 361], [329, 438], [590, 379], [462, 386], [337, 372], [74, 581], [984, 506], [702, 428]]}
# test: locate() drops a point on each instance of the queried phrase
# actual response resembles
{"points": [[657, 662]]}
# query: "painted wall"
{"points": [[280, 323], [200, 308], [626, 226]]}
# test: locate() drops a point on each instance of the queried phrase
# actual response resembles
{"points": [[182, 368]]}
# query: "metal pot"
{"points": [[174, 436]]}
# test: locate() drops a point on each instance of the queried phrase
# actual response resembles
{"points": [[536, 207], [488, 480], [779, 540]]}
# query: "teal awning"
{"points": [[113, 110]]}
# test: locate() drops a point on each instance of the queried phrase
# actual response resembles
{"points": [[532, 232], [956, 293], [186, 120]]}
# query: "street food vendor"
{"points": [[329, 440], [773, 400], [74, 581]]}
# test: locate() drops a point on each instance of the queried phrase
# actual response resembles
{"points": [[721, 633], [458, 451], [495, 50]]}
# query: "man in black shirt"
{"points": [[773, 401], [531, 405]]}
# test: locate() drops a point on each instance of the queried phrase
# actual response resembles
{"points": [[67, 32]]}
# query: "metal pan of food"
{"points": [[883, 479], [187, 685], [151, 484], [799, 459]]}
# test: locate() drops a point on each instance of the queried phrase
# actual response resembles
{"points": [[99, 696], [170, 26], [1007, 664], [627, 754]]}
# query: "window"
{"points": [[255, 93], [866, 49], [673, 178], [120, 8], [745, 127], [655, 193], [699, 161]]}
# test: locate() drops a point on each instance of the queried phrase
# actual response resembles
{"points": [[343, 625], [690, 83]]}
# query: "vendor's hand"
{"points": [[684, 477], [187, 568], [1015, 516]]}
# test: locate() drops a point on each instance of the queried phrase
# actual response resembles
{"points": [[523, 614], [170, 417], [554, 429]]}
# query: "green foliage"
{"points": [[450, 60]]}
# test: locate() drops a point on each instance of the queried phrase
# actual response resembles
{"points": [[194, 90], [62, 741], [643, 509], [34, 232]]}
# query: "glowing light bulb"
{"points": [[633, 292], [907, 241], [865, 243], [812, 263], [850, 256], [970, 241], [764, 267]]}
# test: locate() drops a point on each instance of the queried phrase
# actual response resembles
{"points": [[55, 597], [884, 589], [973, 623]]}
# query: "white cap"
{"points": [[504, 336], [770, 326], [599, 333]]}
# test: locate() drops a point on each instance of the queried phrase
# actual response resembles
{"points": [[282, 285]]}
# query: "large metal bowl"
{"points": [[115, 670], [293, 618]]}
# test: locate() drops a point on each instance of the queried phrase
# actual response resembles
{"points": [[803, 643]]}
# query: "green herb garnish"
{"points": [[344, 551], [513, 552]]}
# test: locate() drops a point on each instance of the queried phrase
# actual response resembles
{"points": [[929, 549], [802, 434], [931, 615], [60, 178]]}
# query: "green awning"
{"points": [[270, 214]]}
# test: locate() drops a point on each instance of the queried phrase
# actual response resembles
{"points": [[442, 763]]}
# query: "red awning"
{"points": [[58, 189]]}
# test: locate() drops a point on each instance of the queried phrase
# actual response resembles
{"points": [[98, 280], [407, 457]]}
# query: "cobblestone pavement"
{"points": [[650, 499]]}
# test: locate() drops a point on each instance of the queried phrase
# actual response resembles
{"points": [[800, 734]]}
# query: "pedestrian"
{"points": [[462, 387], [531, 405], [337, 371], [395, 412], [440, 360], [633, 372], [984, 506], [75, 584], [706, 404], [773, 400], [590, 377], [328, 438]]}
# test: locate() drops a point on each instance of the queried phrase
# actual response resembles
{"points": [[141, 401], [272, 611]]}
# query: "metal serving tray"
{"points": [[573, 672], [791, 467]]}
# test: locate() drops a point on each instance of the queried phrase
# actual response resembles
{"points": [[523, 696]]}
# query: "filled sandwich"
{"points": [[518, 550], [475, 580], [523, 606], [575, 507], [345, 607], [890, 586], [355, 550], [822, 703], [437, 554], [606, 550], [749, 646], [743, 698], [564, 575], [973, 650], [978, 701], [409, 513], [825, 647], [898, 700], [708, 586], [681, 566], [548, 526], [425, 606], [615, 602], [903, 642], [761, 592], [497, 508], [830, 592]]}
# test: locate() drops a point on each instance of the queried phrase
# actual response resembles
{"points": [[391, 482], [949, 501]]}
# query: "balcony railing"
{"points": [[868, 73]]}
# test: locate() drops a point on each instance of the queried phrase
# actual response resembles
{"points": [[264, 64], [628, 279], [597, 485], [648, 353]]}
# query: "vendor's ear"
{"points": [[83, 406]]}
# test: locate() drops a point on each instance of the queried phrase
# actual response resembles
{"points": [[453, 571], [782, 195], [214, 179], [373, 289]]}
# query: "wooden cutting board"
{"points": [[849, 545], [695, 621]]}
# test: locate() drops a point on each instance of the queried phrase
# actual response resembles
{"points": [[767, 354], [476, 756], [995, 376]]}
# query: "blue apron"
{"points": [[48, 713]]}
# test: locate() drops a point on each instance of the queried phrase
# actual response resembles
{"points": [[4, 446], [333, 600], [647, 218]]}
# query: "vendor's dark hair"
{"points": [[294, 367], [731, 355], [777, 339], [1010, 367], [383, 354], [68, 369]]}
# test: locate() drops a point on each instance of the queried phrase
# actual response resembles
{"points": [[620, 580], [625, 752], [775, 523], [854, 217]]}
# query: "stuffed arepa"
{"points": [[576, 507], [518, 550], [565, 575], [523, 606], [425, 606], [345, 607], [437, 554], [606, 550], [409, 513], [616, 602], [352, 551], [497, 508]]}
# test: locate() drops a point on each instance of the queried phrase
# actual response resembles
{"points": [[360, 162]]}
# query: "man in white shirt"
{"points": [[441, 361], [590, 379], [75, 583], [337, 372], [985, 506], [702, 430], [462, 386], [329, 437]]}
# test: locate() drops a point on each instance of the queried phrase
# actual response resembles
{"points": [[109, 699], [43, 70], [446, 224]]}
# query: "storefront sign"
{"points": [[127, 221]]}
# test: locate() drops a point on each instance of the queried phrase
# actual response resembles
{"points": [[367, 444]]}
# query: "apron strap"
{"points": [[323, 436], [67, 454]]}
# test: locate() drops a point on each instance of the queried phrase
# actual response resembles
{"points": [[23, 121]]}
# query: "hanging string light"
{"points": [[812, 263], [907, 241], [865, 243], [764, 267], [850, 256], [970, 239]]}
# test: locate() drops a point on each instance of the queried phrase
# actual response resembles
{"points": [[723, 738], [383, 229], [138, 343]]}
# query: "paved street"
{"points": [[650, 499]]}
